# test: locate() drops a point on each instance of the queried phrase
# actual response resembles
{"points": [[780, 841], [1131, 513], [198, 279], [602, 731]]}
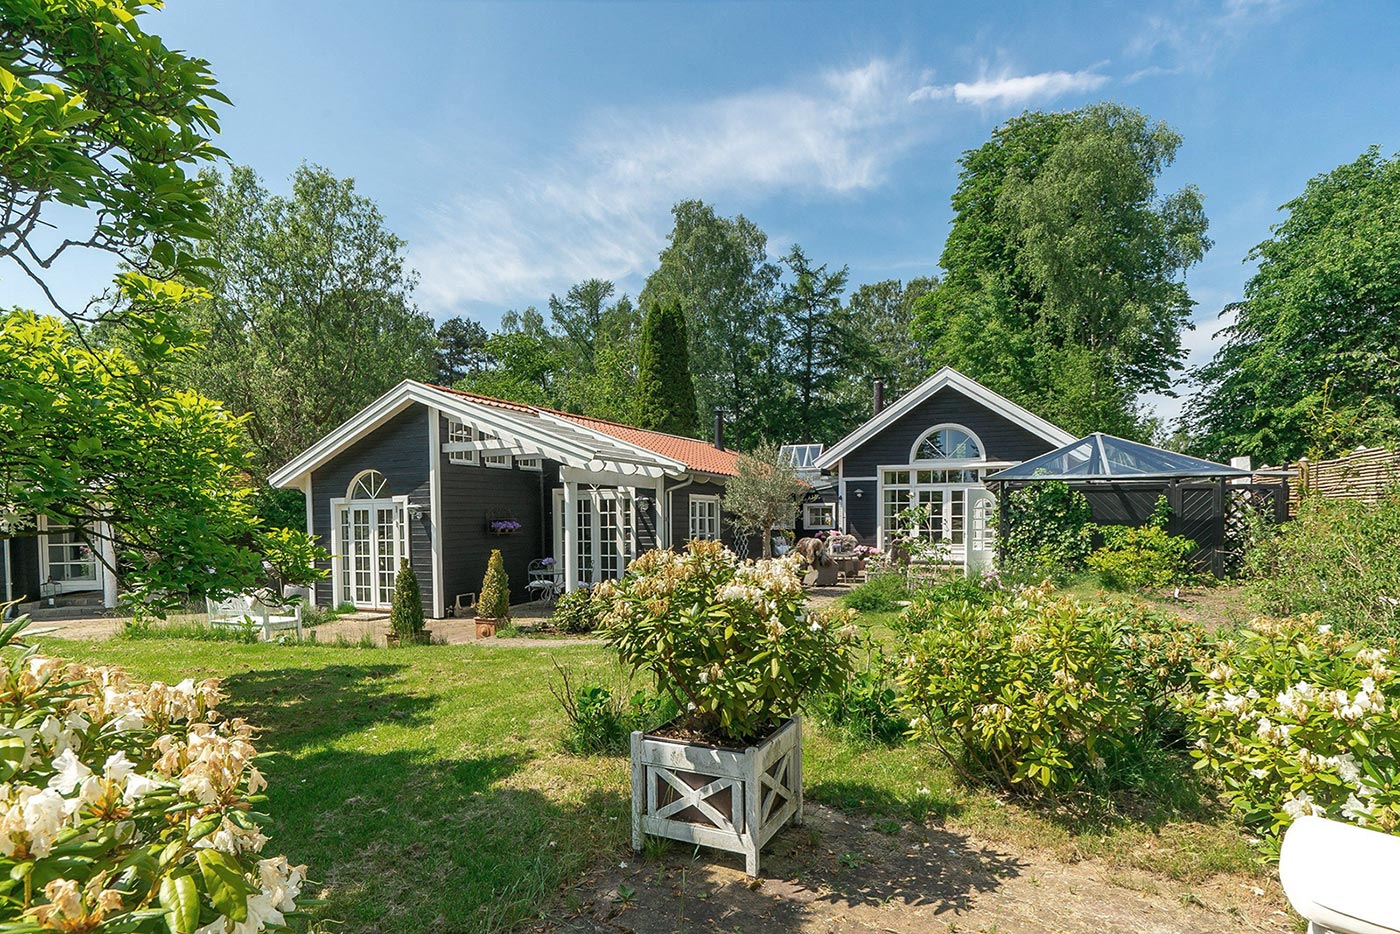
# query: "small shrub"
{"points": [[731, 643], [494, 602], [196, 630], [600, 721], [1145, 558], [866, 707], [1034, 692], [1052, 531], [579, 611], [1296, 718], [1339, 558], [878, 594], [406, 611]]}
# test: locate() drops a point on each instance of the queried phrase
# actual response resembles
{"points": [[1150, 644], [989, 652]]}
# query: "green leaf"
{"points": [[11, 755], [224, 881], [179, 896]]}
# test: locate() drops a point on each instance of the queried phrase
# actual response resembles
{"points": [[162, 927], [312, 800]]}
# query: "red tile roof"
{"points": [[697, 455]]}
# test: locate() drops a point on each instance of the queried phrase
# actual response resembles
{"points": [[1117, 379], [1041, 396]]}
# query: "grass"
{"points": [[426, 788]]}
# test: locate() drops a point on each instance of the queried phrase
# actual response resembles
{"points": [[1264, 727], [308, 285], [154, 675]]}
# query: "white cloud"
{"points": [[1009, 89], [1193, 35], [600, 207]]}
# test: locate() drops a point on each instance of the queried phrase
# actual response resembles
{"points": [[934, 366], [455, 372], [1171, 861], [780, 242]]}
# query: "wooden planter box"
{"points": [[729, 799]]}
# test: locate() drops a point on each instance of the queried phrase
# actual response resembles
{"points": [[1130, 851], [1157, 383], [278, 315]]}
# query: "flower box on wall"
{"points": [[729, 799], [503, 527]]}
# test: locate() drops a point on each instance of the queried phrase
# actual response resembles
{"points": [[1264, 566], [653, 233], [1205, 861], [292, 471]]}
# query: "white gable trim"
{"points": [[576, 446], [945, 378]]}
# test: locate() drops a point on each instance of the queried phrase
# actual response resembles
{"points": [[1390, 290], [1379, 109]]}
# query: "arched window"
{"points": [[369, 485], [947, 443]]}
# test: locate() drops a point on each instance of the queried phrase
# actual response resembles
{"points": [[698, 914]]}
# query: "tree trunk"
{"points": [[767, 541]]}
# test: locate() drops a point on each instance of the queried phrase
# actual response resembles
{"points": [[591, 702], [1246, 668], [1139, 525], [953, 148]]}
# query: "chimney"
{"points": [[719, 429], [879, 396]]}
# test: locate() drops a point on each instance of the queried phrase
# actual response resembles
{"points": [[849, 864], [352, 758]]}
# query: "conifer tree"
{"points": [[665, 390]]}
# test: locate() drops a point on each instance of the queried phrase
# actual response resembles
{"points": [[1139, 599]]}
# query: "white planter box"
{"points": [[729, 799]]}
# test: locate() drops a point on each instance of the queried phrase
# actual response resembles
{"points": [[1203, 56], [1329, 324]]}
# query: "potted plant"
{"points": [[494, 603], [406, 612], [736, 649]]}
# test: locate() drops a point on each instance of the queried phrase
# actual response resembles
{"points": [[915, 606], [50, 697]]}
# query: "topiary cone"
{"points": [[494, 602]]}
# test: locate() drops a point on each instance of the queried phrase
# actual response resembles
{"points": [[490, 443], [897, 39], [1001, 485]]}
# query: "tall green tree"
{"points": [[524, 361], [884, 312], [717, 270], [461, 350], [665, 397], [1311, 364], [1063, 285], [310, 315], [822, 345], [103, 122]]}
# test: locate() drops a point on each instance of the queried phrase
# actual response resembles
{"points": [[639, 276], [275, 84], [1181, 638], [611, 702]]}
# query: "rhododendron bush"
{"points": [[128, 806], [730, 641], [1296, 718], [1035, 691]]}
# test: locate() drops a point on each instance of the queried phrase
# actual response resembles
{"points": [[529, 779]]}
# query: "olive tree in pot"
{"points": [[733, 644], [494, 603], [406, 612]]}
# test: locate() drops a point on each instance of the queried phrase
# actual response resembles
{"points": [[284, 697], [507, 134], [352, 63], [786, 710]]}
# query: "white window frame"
{"points": [[944, 484], [499, 461], [460, 431], [981, 457], [700, 523], [816, 525], [46, 563], [530, 463], [402, 545]]}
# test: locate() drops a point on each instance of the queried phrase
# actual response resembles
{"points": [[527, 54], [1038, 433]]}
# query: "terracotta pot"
{"points": [[485, 627]]}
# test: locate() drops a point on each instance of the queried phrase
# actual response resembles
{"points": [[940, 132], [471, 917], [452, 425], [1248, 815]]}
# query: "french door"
{"points": [[605, 537], [373, 539]]}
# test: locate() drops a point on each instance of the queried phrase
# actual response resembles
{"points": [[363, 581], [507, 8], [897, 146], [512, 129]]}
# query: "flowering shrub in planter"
{"points": [[732, 645], [730, 642], [1296, 718], [129, 807], [1035, 691]]}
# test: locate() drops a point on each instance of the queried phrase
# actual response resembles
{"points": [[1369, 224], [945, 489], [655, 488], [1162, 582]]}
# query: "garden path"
{"points": [[841, 875]]}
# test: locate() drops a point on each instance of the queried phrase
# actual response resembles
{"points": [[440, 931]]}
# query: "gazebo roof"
{"points": [[1105, 457]]}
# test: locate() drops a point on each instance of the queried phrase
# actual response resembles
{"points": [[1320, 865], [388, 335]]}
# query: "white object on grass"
{"points": [[1340, 877]]}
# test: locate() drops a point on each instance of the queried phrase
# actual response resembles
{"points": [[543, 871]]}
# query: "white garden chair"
{"points": [[544, 580], [1341, 877], [242, 610]]}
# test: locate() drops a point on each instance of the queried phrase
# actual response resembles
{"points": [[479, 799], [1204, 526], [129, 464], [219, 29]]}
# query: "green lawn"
{"points": [[425, 786]]}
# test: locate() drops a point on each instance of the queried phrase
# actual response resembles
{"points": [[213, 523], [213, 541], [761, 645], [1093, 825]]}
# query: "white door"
{"points": [[372, 542], [982, 530], [605, 535]]}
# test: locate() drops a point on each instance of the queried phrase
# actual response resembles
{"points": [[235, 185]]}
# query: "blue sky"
{"points": [[522, 147]]}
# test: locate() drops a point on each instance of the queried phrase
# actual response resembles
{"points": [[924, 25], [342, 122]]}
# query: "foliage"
{"points": [[598, 355], [1035, 692], [100, 439], [461, 350], [101, 117], [309, 316], [280, 509], [1308, 367], [665, 391], [1296, 718], [764, 493], [1337, 558], [406, 610], [731, 643], [130, 807], [1063, 288], [494, 601], [717, 270], [865, 706], [600, 720], [878, 593], [823, 342], [1142, 558], [579, 611], [1052, 530], [884, 311]]}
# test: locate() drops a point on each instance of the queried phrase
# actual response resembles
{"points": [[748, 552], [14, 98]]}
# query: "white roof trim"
{"points": [[555, 438], [945, 378]]}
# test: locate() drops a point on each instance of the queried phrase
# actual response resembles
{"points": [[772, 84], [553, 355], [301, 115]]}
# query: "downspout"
{"points": [[9, 586]]}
